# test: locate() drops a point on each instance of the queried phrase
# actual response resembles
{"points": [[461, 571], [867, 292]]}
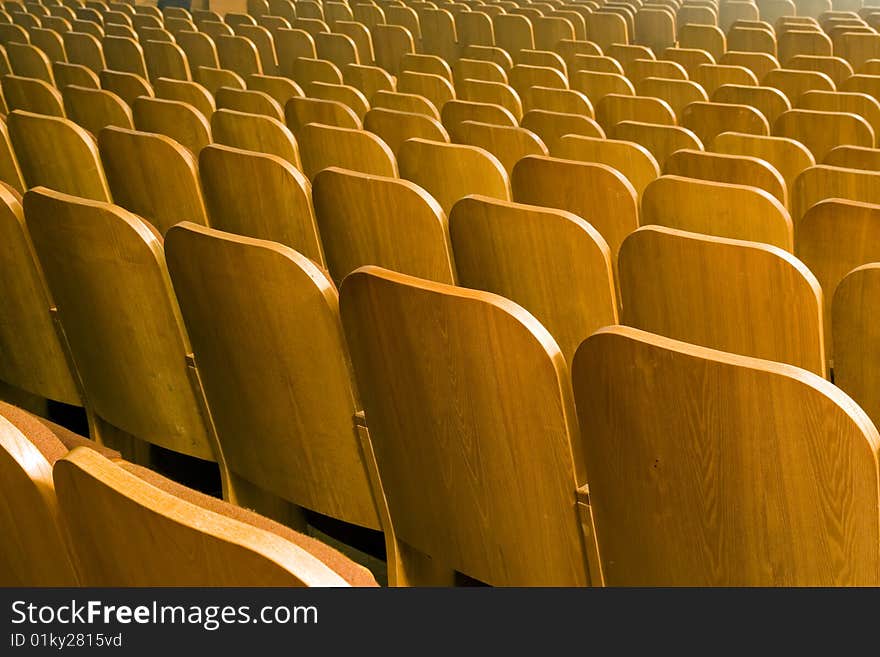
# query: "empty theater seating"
{"points": [[498, 292]]}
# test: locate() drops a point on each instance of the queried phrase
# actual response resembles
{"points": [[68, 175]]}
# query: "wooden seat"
{"points": [[323, 146], [859, 104], [180, 537], [795, 83], [248, 101], [400, 102], [714, 208], [309, 434], [382, 221], [467, 377], [125, 55], [32, 358], [106, 270], [368, 79], [395, 127], [200, 49], [835, 236], [824, 449], [253, 132], [301, 111], [710, 119], [259, 195], [712, 76], [509, 144], [37, 550], [153, 176], [709, 38], [551, 262], [552, 126], [185, 91], [94, 109], [632, 160], [166, 60], [769, 101], [279, 89], [660, 140], [787, 156], [57, 154], [451, 171], [180, 121], [825, 182], [264, 43], [853, 157], [435, 88], [28, 61], [614, 108], [566, 101], [742, 297], [594, 192], [455, 112], [492, 93], [32, 95], [239, 54], [836, 68], [596, 85], [734, 169], [127, 86], [759, 63], [85, 49], [74, 74], [678, 94], [822, 131]]}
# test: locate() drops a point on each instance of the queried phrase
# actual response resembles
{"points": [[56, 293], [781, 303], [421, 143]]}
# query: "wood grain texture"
{"points": [[551, 262], [213, 79], [252, 132], [743, 297], [131, 533], [734, 169], [180, 121], [854, 157], [552, 126], [153, 176], [712, 76], [788, 156], [94, 109], [261, 196], [10, 171], [400, 102], [822, 131], [457, 111], [259, 314], [166, 60], [58, 154], [678, 94], [373, 220], [491, 93], [721, 209], [634, 161], [106, 272], [31, 355], [451, 171], [302, 111], [323, 146], [423, 350], [35, 551], [735, 471], [341, 93], [596, 193], [566, 101]]}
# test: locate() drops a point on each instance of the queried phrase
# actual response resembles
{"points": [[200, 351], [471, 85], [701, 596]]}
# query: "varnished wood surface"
{"points": [[35, 551], [106, 271], [31, 355], [596, 193], [449, 480], [323, 146], [180, 121], [259, 195], [720, 209], [258, 314], [58, 154], [551, 262], [252, 132], [743, 297], [131, 533], [137, 163], [374, 220], [788, 156], [451, 171], [690, 447]]}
